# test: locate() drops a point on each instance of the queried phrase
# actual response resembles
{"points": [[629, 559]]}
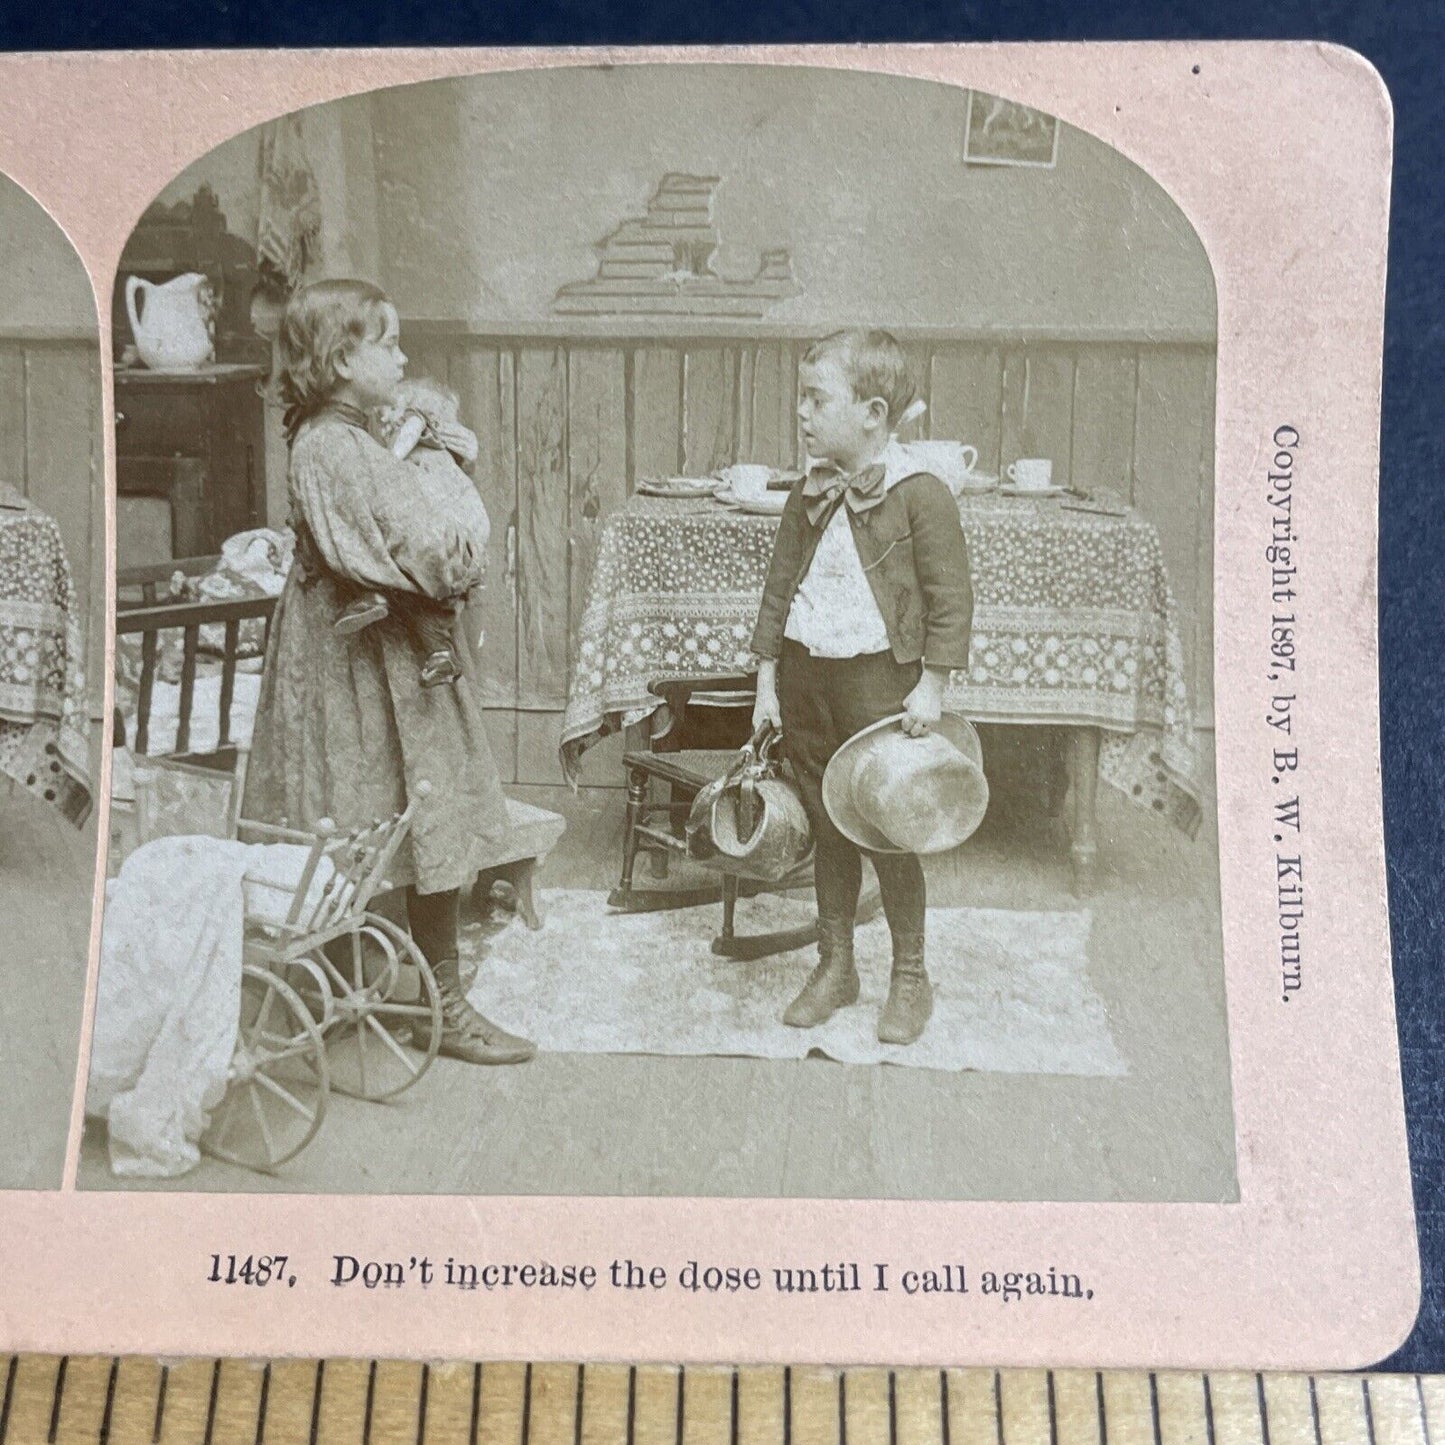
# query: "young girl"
{"points": [[344, 729]]}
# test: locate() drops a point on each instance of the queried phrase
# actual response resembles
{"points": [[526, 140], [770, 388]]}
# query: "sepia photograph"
{"points": [[663, 646], [52, 665]]}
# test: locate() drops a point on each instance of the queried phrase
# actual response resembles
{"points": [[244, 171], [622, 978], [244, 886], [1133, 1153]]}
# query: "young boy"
{"points": [[866, 609]]}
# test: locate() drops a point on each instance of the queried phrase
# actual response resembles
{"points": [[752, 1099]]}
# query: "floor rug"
{"points": [[1011, 989]]}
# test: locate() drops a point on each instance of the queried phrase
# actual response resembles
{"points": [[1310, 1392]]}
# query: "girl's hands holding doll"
{"points": [[459, 441]]}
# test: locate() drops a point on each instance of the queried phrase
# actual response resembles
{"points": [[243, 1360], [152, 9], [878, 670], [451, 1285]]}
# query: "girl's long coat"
{"points": [[344, 729]]}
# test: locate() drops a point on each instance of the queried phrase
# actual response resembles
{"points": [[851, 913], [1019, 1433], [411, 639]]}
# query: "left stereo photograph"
{"points": [[52, 668]]}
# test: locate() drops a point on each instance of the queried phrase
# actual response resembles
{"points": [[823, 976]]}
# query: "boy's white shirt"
{"points": [[834, 613]]}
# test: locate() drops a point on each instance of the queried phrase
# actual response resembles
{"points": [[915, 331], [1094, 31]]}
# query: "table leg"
{"points": [[636, 806], [1084, 783]]}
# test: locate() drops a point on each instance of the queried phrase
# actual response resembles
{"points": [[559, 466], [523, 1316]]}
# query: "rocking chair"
{"points": [[716, 711]]}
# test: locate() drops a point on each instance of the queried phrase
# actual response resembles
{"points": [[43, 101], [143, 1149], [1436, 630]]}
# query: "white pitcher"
{"points": [[173, 322], [951, 462]]}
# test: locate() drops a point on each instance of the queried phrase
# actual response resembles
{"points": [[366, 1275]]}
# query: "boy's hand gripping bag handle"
{"points": [[758, 764], [750, 821], [758, 748], [753, 760]]}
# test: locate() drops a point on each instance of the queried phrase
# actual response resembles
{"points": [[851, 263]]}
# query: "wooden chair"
{"points": [[712, 715], [707, 721], [141, 608]]}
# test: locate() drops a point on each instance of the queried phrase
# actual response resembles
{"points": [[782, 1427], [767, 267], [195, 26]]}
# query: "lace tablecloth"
{"points": [[44, 718], [1074, 624]]}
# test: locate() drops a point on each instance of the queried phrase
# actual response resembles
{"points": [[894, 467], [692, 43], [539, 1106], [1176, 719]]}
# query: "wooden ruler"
{"points": [[53, 1400]]}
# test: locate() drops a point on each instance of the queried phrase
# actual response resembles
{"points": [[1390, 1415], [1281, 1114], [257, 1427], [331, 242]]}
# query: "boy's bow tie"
{"points": [[863, 489]]}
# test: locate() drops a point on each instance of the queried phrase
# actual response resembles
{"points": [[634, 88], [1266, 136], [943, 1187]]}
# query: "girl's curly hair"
{"points": [[323, 321]]}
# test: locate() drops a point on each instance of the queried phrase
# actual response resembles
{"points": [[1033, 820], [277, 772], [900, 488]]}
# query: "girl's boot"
{"points": [[910, 995], [469, 1035], [833, 984]]}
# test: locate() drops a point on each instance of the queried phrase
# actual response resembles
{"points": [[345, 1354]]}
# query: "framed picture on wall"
{"points": [[998, 132]]}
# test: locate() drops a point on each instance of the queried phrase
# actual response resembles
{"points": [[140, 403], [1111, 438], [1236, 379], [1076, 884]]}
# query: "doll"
{"points": [[423, 415]]}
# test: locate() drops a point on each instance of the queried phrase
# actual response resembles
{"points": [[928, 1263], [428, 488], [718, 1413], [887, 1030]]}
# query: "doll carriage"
{"points": [[335, 997]]}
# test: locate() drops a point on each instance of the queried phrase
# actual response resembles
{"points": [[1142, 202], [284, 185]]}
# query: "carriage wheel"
{"points": [[387, 1022], [276, 1097], [308, 976]]}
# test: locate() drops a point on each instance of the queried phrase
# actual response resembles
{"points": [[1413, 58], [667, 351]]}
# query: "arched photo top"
{"points": [[52, 651], [44, 286], [789, 196]]}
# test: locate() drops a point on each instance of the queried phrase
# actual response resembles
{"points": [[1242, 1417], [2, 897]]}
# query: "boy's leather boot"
{"points": [[910, 995], [833, 984], [469, 1035]]}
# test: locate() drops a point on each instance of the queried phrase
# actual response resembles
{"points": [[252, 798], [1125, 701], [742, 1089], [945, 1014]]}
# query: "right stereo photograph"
{"points": [[604, 635]]}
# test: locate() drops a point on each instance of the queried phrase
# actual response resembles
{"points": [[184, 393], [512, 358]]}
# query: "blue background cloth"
{"points": [[1403, 40]]}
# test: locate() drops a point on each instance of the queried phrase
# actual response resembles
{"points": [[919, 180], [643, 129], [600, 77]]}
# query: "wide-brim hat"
{"points": [[891, 793]]}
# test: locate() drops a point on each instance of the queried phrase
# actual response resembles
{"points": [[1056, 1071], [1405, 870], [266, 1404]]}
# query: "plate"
{"points": [[770, 504], [676, 487], [1009, 489], [975, 483]]}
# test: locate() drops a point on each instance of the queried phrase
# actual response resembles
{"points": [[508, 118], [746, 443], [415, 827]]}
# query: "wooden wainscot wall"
{"points": [[51, 449], [569, 421]]}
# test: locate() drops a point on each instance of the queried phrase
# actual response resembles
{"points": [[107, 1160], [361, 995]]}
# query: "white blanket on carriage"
{"points": [[168, 998]]}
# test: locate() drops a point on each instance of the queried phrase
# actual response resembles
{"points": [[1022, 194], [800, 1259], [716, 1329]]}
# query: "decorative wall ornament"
{"points": [[999, 132], [288, 226], [661, 264]]}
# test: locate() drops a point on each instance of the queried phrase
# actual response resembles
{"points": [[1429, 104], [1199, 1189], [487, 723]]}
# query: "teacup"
{"points": [[748, 481], [1031, 474]]}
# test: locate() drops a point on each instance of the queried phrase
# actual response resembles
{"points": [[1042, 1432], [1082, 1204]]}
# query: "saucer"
{"points": [[770, 504], [1012, 489]]}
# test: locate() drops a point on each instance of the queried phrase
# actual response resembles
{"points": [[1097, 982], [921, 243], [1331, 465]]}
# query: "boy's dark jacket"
{"points": [[913, 553]]}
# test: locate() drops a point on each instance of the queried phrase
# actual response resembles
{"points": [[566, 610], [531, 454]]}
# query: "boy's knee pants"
{"points": [[824, 701]]}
